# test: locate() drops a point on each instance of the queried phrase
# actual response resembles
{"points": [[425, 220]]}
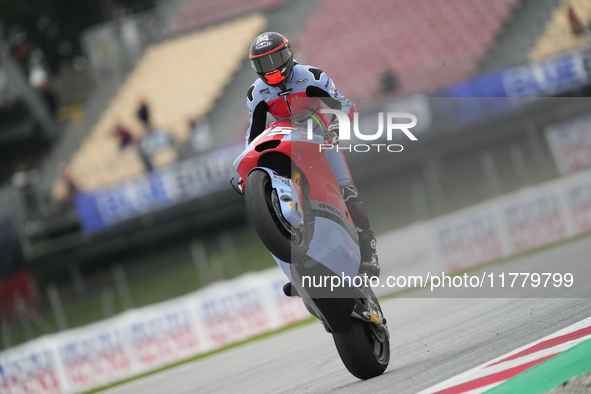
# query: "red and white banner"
{"points": [[577, 197], [33, 368], [532, 219], [468, 238], [570, 143], [93, 355], [162, 334]]}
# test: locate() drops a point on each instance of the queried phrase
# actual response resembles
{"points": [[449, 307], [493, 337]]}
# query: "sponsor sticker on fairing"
{"points": [[295, 206]]}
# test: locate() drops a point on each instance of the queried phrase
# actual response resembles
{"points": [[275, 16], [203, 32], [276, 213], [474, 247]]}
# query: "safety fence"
{"points": [[143, 339]]}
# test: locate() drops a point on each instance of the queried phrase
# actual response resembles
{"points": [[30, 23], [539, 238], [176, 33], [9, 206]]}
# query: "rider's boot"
{"points": [[370, 265], [367, 243]]}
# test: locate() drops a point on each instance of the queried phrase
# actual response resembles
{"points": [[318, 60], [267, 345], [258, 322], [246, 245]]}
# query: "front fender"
{"points": [[289, 196]]}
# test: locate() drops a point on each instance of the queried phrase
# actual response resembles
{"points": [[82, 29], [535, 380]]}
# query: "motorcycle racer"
{"points": [[280, 81]]}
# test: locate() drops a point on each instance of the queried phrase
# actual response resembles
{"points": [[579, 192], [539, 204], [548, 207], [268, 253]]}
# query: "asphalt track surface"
{"points": [[432, 339]]}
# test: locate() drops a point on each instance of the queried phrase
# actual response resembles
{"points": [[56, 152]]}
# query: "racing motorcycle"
{"points": [[296, 207]]}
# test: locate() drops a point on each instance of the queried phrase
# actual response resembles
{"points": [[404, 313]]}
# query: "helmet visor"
{"points": [[271, 61]]}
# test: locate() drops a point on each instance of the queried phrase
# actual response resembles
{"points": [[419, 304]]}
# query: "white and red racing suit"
{"points": [[312, 83], [305, 81]]}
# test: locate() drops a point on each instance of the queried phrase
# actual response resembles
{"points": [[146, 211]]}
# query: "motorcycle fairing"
{"points": [[334, 247]]}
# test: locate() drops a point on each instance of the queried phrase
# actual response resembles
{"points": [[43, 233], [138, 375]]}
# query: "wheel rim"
{"points": [[378, 340], [293, 235]]}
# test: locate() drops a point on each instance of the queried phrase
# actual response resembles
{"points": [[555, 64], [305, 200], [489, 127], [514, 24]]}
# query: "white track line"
{"points": [[484, 370]]}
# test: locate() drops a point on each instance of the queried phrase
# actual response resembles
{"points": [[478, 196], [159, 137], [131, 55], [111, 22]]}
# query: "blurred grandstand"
{"points": [[106, 223], [181, 79]]}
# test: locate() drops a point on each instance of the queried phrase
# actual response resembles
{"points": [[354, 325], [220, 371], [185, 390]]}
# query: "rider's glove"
{"points": [[331, 136], [241, 184]]}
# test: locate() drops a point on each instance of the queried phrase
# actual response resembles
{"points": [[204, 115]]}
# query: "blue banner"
{"points": [[540, 79], [189, 179]]}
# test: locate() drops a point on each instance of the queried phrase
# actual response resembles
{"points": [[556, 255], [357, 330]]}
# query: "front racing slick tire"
{"points": [[262, 205]]}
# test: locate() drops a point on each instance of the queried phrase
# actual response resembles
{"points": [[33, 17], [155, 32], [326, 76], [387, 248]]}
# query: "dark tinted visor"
{"points": [[272, 61]]}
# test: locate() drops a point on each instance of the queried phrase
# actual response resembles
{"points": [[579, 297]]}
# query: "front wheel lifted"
{"points": [[264, 212]]}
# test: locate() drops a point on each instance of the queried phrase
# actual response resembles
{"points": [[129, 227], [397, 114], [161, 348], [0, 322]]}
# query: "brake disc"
{"points": [[296, 234]]}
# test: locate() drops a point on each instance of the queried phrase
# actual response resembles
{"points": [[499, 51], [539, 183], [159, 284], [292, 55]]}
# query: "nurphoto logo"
{"points": [[392, 126]]}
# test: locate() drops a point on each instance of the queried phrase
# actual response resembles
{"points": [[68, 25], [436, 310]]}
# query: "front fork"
{"points": [[367, 309]]}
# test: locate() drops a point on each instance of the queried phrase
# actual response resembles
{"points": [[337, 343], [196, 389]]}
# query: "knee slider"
{"points": [[355, 206], [366, 237]]}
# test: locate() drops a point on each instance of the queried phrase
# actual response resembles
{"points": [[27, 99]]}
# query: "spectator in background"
{"points": [[153, 142], [15, 280], [39, 80], [25, 181], [389, 82], [143, 115], [123, 136], [575, 23], [20, 50], [125, 139], [71, 186], [144, 150], [49, 97], [201, 139]]}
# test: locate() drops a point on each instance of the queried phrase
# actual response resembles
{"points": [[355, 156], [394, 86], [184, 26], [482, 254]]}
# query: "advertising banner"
{"points": [[468, 238], [286, 310], [570, 143], [577, 197], [539, 79], [533, 218], [30, 369], [189, 179], [93, 356], [232, 314], [548, 77], [162, 334]]}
